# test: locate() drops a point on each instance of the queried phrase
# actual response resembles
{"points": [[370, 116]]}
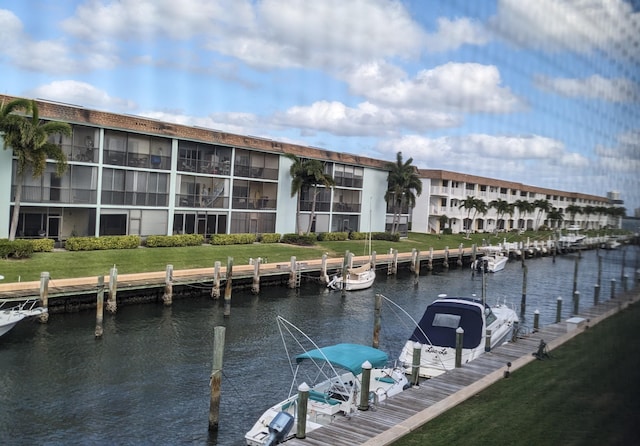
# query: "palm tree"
{"points": [[541, 206], [588, 211], [297, 181], [315, 176], [555, 214], [524, 207], [502, 207], [28, 137], [573, 209], [402, 181], [472, 204]]}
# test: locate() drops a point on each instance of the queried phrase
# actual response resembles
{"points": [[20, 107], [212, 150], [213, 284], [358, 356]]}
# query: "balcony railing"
{"points": [[197, 201], [134, 198], [263, 203], [37, 194], [346, 207], [321, 206]]}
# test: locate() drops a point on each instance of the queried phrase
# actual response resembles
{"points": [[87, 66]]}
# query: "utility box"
{"points": [[575, 323]]}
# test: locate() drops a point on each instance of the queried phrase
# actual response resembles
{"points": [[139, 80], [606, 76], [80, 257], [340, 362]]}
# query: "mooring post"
{"points": [[624, 260], [613, 288], [100, 308], [559, 310], [227, 288], [487, 340], [460, 252], [599, 270], [576, 302], [625, 280], [416, 267], [415, 364], [112, 305], [377, 312], [536, 320], [412, 267], [44, 297], [215, 381], [365, 386], [324, 278], [575, 274], [344, 273], [515, 331], [459, 340], [373, 260], [430, 263], [395, 261], [215, 289], [596, 294], [293, 270], [255, 286], [167, 297], [303, 401], [523, 301], [446, 257]]}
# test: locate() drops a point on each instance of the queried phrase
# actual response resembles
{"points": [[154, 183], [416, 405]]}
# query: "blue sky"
{"points": [[543, 92]]}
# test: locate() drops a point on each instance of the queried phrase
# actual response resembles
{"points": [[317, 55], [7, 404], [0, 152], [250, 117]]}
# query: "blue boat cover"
{"points": [[441, 319], [347, 356]]}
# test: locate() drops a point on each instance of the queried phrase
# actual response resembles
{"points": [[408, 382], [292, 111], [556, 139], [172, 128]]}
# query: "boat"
{"points": [[358, 278], [491, 260], [572, 239], [333, 375], [12, 312], [611, 243], [436, 333]]}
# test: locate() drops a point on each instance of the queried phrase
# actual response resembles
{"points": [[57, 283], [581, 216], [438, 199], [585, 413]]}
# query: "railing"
{"points": [[134, 198], [257, 203], [197, 201], [346, 207], [321, 206], [37, 194]]}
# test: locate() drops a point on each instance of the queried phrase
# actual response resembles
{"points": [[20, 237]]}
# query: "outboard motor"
{"points": [[279, 428]]}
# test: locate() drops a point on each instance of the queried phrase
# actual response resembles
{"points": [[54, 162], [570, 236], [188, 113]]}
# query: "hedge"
{"points": [[16, 249], [295, 239], [233, 239], [164, 241], [104, 242], [269, 238]]}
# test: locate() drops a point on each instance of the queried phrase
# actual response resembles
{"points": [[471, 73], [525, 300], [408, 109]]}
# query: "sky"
{"points": [[541, 92]]}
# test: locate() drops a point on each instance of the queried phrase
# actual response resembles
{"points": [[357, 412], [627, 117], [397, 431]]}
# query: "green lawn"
{"points": [[588, 393]]}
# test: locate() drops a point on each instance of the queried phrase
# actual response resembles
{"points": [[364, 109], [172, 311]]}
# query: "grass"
{"points": [[587, 393], [65, 264]]}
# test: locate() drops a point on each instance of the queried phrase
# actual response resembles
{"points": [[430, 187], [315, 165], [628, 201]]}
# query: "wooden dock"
{"points": [[399, 415]]}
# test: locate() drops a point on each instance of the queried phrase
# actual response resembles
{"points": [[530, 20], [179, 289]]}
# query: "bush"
{"points": [[333, 236], [17, 249], [233, 239], [269, 238], [385, 236], [164, 241], [42, 245], [100, 243], [302, 240]]}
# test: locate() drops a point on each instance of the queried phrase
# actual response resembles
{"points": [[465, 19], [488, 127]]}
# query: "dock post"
{"points": [[446, 257], [255, 286], [228, 287], [376, 321], [624, 261], [303, 401], [44, 296], [412, 267], [430, 263], [349, 255], [215, 289], [344, 273], [575, 274], [167, 297], [596, 294], [625, 280], [599, 270], [112, 305], [365, 386], [576, 302], [292, 272], [487, 341], [515, 331], [100, 308], [416, 266], [324, 278], [395, 261], [536, 320], [459, 340], [613, 288], [460, 252], [415, 364], [373, 260], [559, 310], [215, 379], [523, 301], [473, 259]]}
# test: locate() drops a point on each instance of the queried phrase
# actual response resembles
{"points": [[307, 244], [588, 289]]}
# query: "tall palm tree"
{"points": [[555, 214], [572, 210], [476, 205], [403, 185], [297, 182], [541, 206], [524, 208], [28, 137], [502, 207], [315, 176], [588, 211]]}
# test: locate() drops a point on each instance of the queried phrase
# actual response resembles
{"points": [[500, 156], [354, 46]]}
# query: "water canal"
{"points": [[146, 380]]}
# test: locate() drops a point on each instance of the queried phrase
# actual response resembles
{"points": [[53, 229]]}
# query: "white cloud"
{"points": [[237, 123], [581, 26], [81, 93], [593, 87], [452, 34]]}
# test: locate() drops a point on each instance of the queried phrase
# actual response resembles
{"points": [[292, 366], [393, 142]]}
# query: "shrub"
{"points": [[385, 236], [270, 238], [303, 240], [17, 249], [233, 239], [100, 243], [164, 241], [42, 244], [333, 236]]}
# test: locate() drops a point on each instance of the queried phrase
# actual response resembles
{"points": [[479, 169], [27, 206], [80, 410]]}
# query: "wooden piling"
{"points": [[624, 260], [625, 281], [596, 294], [44, 296], [415, 364], [459, 340], [293, 271], [100, 308], [599, 270], [523, 301], [227, 288], [575, 275], [365, 385], [112, 305], [215, 289], [416, 266], [446, 257], [215, 381], [613, 288], [460, 251], [377, 312], [167, 297], [303, 401], [558, 309], [576, 302], [395, 262], [324, 277], [487, 341], [255, 286], [430, 263], [536, 320]]}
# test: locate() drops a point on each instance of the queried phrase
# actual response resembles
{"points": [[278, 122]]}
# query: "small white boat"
{"points": [[572, 239], [491, 260], [12, 312], [358, 278], [333, 375], [436, 333]]}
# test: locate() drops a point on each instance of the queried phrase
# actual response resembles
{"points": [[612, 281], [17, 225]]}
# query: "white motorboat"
{"points": [[358, 278], [333, 375], [572, 239], [436, 333], [491, 260], [12, 312]]}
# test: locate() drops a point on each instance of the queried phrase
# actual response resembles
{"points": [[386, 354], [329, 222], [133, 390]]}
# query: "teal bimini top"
{"points": [[347, 356]]}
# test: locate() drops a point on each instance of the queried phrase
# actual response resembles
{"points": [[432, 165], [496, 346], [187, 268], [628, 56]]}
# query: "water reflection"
{"points": [[146, 381]]}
